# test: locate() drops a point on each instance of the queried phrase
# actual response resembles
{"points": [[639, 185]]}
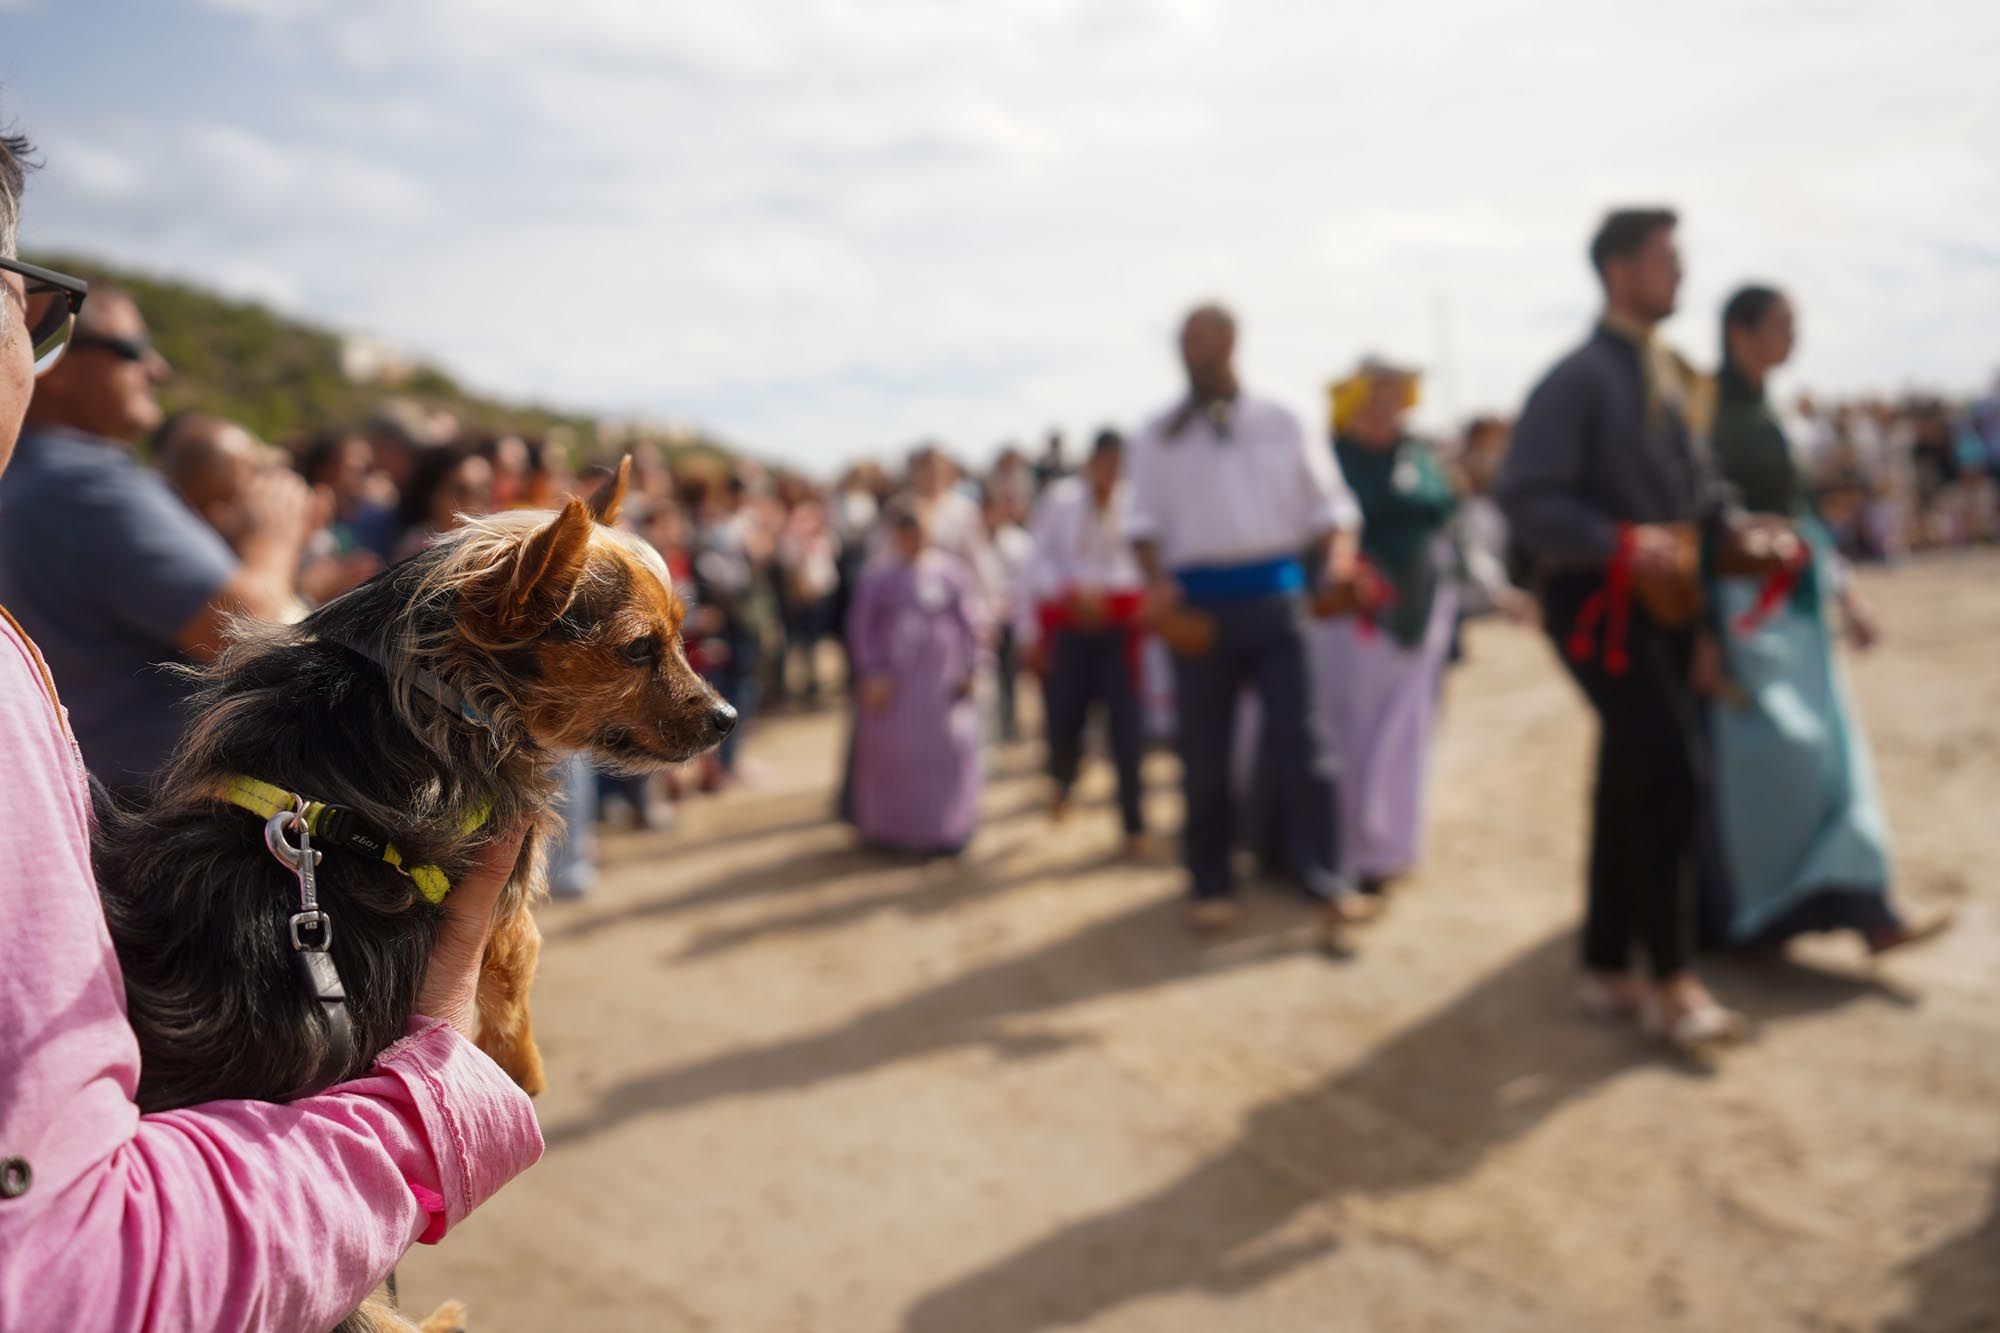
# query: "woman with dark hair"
{"points": [[343, 462], [1800, 822], [448, 485]]}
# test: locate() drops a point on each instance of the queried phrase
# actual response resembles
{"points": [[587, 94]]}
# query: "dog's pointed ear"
{"points": [[610, 497], [530, 592]]}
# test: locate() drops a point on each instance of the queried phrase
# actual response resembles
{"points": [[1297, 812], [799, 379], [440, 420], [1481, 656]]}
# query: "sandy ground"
{"points": [[795, 1087]]}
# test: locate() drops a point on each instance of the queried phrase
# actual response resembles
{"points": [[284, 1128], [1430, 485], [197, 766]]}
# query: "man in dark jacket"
{"points": [[1602, 471]]}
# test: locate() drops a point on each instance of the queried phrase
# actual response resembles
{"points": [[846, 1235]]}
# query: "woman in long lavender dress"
{"points": [[1379, 674], [915, 634]]}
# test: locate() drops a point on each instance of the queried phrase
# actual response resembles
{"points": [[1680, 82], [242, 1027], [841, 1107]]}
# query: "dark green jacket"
{"points": [[1406, 500], [1750, 448]]}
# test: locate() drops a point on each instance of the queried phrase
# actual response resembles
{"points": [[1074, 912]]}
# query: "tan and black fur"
{"points": [[561, 633]]}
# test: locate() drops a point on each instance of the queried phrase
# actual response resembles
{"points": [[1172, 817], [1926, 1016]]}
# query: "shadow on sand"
{"points": [[832, 855], [1422, 1109], [1135, 950], [1957, 1285]]}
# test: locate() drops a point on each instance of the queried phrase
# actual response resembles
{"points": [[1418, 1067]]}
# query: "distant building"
{"points": [[366, 360]]}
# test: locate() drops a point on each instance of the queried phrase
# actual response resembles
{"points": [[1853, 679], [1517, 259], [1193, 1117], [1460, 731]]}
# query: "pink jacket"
{"points": [[230, 1215]]}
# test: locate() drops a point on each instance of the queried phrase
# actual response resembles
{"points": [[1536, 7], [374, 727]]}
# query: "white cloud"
{"points": [[829, 225]]}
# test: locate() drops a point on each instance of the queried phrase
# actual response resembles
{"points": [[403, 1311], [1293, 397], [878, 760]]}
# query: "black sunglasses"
{"points": [[125, 349], [52, 300]]}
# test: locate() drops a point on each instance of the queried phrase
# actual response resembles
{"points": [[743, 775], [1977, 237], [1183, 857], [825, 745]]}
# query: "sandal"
{"points": [[1902, 936], [1701, 1033], [1354, 909], [1335, 936], [1605, 1001]]}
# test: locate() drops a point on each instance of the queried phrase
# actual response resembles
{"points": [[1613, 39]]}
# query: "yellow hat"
{"points": [[1345, 397]]}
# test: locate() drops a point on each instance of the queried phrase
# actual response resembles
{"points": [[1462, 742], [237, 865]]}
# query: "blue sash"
{"points": [[1279, 576]]}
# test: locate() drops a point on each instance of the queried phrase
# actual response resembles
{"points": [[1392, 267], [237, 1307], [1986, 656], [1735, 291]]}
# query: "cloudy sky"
{"points": [[824, 227]]}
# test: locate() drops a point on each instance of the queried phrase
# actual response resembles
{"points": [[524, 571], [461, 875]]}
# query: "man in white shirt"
{"points": [[1235, 515], [1080, 621]]}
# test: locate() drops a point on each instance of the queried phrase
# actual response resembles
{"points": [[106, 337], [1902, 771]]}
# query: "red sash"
{"points": [[1121, 612]]}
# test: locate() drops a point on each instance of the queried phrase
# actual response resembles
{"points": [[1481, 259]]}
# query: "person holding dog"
{"points": [[1234, 516], [232, 1215], [1606, 488]]}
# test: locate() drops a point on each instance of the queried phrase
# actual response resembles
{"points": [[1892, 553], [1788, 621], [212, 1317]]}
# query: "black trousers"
{"points": [[1651, 785], [1006, 677], [1088, 667], [1261, 643]]}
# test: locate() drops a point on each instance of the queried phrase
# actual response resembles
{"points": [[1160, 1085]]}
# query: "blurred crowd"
{"points": [[768, 559], [1890, 476]]}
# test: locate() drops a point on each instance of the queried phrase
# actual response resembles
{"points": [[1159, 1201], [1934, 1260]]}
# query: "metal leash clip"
{"points": [[301, 861], [312, 935]]}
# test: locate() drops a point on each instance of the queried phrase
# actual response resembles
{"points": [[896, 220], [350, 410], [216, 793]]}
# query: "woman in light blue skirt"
{"points": [[1799, 818]]}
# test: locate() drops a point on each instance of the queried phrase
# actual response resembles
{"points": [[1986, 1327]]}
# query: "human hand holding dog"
{"points": [[451, 981]]}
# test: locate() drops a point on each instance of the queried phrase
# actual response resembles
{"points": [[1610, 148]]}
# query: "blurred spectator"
{"points": [[212, 465], [1013, 553], [105, 567], [209, 462], [1052, 465], [728, 581], [1079, 613], [1377, 674], [549, 476], [396, 435], [450, 485], [1486, 585], [952, 520], [573, 852], [342, 465], [809, 566], [916, 633], [857, 504], [513, 469], [1014, 482]]}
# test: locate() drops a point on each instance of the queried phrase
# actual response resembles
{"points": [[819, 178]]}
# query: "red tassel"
{"points": [[1611, 604], [1777, 587], [1580, 632], [1367, 615]]}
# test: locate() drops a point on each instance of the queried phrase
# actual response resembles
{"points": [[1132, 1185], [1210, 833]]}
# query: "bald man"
{"points": [[105, 567], [210, 463], [1234, 515]]}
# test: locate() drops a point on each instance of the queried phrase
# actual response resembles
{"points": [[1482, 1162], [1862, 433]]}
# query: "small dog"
{"points": [[429, 708]]}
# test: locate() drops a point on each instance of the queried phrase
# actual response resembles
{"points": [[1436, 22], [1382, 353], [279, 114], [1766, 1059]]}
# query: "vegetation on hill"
{"points": [[278, 375]]}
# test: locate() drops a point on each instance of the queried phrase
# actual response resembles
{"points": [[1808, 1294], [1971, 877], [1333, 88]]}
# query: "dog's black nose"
{"points": [[722, 719]]}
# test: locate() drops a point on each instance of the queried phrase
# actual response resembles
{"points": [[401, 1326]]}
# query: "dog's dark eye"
{"points": [[642, 651]]}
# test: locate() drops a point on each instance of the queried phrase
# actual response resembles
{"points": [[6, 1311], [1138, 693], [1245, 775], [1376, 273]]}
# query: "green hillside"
{"points": [[279, 375]]}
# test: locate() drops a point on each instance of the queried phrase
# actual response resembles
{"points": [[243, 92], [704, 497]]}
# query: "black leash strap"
{"points": [[311, 937]]}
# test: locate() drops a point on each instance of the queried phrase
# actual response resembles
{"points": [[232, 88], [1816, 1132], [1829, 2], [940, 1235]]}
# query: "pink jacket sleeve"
{"points": [[230, 1215]]}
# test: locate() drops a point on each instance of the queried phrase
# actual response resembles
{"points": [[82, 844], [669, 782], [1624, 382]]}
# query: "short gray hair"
{"points": [[16, 157]]}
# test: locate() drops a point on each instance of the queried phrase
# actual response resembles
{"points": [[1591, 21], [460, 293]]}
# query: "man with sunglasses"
{"points": [[231, 1215], [107, 569]]}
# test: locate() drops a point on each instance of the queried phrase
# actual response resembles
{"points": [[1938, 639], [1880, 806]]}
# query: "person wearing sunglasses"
{"points": [[232, 1215], [105, 567]]}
